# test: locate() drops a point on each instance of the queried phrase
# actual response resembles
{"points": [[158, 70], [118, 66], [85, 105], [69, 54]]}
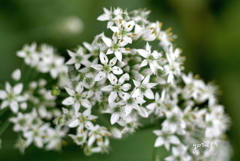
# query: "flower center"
{"points": [[117, 109], [143, 88], [115, 47], [78, 97], [107, 68], [117, 88], [11, 97], [130, 101], [150, 58], [78, 58]]}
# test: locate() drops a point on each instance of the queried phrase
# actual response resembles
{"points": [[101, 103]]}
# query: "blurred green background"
{"points": [[208, 32]]}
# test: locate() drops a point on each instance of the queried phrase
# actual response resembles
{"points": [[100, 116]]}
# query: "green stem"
{"points": [[3, 111], [4, 126], [135, 42]]}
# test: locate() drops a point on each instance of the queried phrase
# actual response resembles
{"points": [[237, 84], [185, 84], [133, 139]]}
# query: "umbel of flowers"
{"points": [[109, 86]]}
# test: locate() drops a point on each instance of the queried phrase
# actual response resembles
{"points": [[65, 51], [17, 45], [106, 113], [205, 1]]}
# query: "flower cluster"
{"points": [[110, 85]]}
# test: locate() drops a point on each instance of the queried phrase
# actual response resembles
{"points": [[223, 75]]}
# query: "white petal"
{"points": [[76, 106], [157, 132], [150, 85], [173, 139], [153, 68], [144, 63], [126, 87], [4, 104], [107, 88], [118, 54], [167, 145], [103, 58], [100, 76], [136, 93], [114, 29], [112, 78], [70, 91], [113, 61], [14, 106], [70, 61], [97, 66], [3, 94], [8, 87], [143, 53], [112, 97], [170, 78], [151, 106], [90, 126], [107, 41], [136, 83], [87, 112], [117, 70], [16, 75], [18, 88], [129, 25], [146, 79], [143, 112], [71, 54], [114, 118], [128, 109], [74, 123], [124, 95], [79, 88], [91, 140], [86, 103], [149, 94], [77, 65], [148, 47], [68, 101], [123, 78], [159, 142]]}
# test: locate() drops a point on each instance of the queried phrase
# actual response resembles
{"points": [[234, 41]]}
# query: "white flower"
{"points": [[179, 153], [93, 87], [77, 98], [78, 58], [151, 31], [115, 46], [36, 135], [21, 122], [54, 138], [82, 119], [111, 16], [174, 121], [144, 88], [165, 138], [150, 58], [130, 123], [80, 138], [29, 54], [11, 96], [116, 110], [123, 31], [97, 133], [157, 105], [132, 103], [174, 66], [117, 87], [106, 68]]}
